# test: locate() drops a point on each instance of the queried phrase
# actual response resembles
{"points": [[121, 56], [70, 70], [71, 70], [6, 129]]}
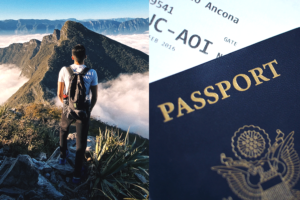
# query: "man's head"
{"points": [[78, 53]]}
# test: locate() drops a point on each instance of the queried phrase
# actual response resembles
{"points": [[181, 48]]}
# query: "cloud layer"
{"points": [[10, 81], [136, 41], [6, 40], [124, 102]]}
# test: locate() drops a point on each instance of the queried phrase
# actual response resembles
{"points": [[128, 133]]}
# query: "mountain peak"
{"points": [[72, 24], [72, 29]]}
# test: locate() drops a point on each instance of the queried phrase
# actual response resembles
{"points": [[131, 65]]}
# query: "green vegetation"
{"points": [[41, 111], [118, 168], [34, 128], [95, 125], [3, 110], [29, 129]]}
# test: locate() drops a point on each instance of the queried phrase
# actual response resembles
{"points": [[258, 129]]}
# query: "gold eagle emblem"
{"points": [[262, 171]]}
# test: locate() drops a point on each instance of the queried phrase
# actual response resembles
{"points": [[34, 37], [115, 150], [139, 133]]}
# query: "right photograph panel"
{"points": [[224, 100]]}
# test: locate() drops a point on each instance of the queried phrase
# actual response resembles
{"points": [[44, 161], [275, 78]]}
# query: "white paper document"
{"points": [[186, 33]]}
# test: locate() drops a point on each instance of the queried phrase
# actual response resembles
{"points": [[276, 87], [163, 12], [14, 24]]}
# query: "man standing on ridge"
{"points": [[90, 80]]}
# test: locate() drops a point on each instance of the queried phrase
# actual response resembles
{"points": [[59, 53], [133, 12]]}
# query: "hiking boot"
{"points": [[77, 180], [63, 161]]}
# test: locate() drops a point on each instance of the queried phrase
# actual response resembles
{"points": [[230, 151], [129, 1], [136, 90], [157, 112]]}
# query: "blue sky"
{"points": [[79, 9]]}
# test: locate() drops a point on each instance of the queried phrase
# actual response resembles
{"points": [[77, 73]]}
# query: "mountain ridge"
{"points": [[108, 57], [103, 26]]}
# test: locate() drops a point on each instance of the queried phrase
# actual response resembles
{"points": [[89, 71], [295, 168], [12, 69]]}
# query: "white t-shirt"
{"points": [[90, 79]]}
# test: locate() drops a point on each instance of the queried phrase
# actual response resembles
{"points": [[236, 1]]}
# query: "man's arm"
{"points": [[60, 90], [94, 90]]}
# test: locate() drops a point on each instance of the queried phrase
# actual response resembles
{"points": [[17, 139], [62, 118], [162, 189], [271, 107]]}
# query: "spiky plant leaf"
{"points": [[116, 163]]}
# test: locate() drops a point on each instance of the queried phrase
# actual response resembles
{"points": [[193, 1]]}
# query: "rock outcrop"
{"points": [[18, 172], [28, 178]]}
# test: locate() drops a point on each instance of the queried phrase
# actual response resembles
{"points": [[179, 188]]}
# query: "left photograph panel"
{"points": [[74, 99]]}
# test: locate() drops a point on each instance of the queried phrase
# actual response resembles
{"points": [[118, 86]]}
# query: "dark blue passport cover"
{"points": [[244, 146]]}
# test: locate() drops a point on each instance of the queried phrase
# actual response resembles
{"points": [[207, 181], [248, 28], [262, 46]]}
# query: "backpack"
{"points": [[77, 106]]}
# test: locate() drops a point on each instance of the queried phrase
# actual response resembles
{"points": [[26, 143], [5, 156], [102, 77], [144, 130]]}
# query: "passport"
{"points": [[229, 128]]}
